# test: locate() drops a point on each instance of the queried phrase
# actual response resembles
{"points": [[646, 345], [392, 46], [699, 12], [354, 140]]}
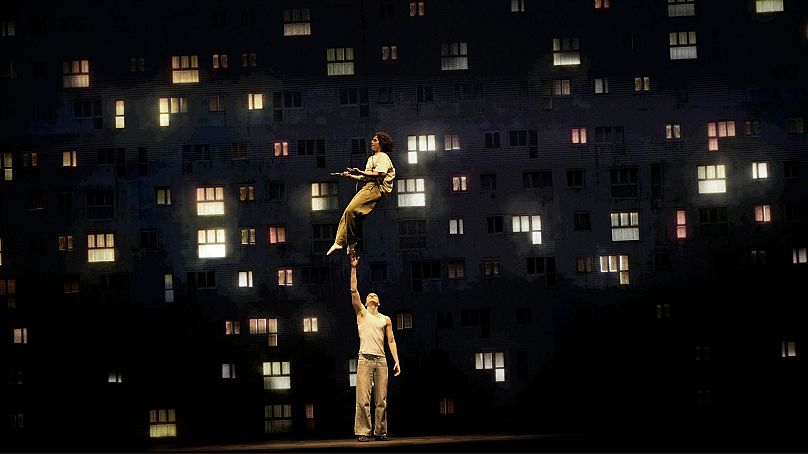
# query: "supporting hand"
{"points": [[396, 370], [354, 259]]}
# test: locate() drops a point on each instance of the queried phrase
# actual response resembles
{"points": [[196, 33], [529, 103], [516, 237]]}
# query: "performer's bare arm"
{"points": [[356, 299], [351, 173], [391, 342]]}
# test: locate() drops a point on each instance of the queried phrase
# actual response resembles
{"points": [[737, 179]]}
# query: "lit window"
{"points": [[389, 53], [566, 52], [763, 213], [245, 278], [340, 61], [681, 8], [673, 131], [352, 373], [712, 179], [583, 264], [8, 288], [285, 277], [798, 255], [625, 226], [601, 4], [459, 184], [184, 69], [30, 159], [101, 247], [601, 86], [561, 87], [277, 418], [281, 148], [454, 56], [324, 196], [220, 61], [65, 243], [228, 371], [68, 159], [8, 29], [451, 142], [446, 406], [115, 377], [578, 135], [768, 6], [8, 174], [120, 120], [162, 423], [642, 83], [210, 201], [682, 45], [403, 321], [719, 129], [419, 143], [310, 325], [277, 375], [20, 335], [277, 234], [416, 9], [76, 74], [530, 224], [162, 196], [211, 243], [491, 361], [681, 224], [246, 193], [615, 264], [296, 22], [255, 101], [248, 236], [170, 106], [456, 226], [789, 349], [411, 192], [168, 287]]}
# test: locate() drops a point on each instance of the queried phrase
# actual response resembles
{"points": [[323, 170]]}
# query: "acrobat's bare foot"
{"points": [[334, 247], [351, 249]]}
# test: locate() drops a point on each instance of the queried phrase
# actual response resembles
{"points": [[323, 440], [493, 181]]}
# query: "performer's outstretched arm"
{"points": [[356, 299]]}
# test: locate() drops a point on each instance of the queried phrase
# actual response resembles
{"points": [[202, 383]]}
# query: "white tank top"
{"points": [[371, 334]]}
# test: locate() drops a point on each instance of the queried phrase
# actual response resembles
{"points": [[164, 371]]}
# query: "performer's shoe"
{"points": [[363, 438], [351, 249], [382, 438], [334, 247]]}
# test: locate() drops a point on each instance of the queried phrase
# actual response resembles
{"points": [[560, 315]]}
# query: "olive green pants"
{"points": [[361, 205]]}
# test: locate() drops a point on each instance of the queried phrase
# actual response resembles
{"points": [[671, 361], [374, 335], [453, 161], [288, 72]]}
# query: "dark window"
{"points": [[713, 221], [575, 178], [322, 237], [378, 272], [412, 234], [316, 275], [422, 271], [148, 239], [523, 315], [100, 204], [582, 221], [64, 200], [425, 93], [276, 191], [201, 280], [494, 224], [444, 320], [491, 140], [488, 182], [624, 183], [656, 181]]}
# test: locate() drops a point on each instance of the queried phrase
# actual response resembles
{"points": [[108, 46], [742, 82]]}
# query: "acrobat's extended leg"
{"points": [[361, 205]]}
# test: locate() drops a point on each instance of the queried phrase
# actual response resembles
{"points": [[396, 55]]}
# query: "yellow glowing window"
{"points": [[615, 264], [220, 61], [324, 196], [411, 192], [681, 8], [210, 201], [285, 277], [281, 148], [673, 131], [561, 87], [246, 193], [625, 226], [162, 423], [296, 22], [403, 321], [578, 135], [416, 9], [65, 243], [681, 224], [20, 335], [389, 53], [601, 4], [642, 83], [566, 51], [101, 247], [184, 69], [760, 170], [310, 325], [277, 418], [682, 45], [211, 243], [768, 6], [277, 375], [120, 120], [255, 101], [171, 106], [68, 159], [340, 61], [454, 56], [798, 255], [530, 224], [229, 370], [415, 144], [712, 179], [8, 174], [162, 196], [245, 278], [489, 361], [76, 74], [459, 184], [248, 236], [277, 234], [114, 377], [763, 213], [456, 226], [451, 142], [232, 328]]}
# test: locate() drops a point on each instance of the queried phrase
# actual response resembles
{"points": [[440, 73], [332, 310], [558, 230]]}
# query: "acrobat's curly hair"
{"points": [[386, 142]]}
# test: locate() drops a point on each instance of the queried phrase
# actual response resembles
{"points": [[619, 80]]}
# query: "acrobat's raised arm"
{"points": [[356, 299]]}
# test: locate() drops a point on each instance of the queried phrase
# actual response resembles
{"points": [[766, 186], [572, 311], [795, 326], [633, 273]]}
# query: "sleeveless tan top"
{"points": [[371, 334]]}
